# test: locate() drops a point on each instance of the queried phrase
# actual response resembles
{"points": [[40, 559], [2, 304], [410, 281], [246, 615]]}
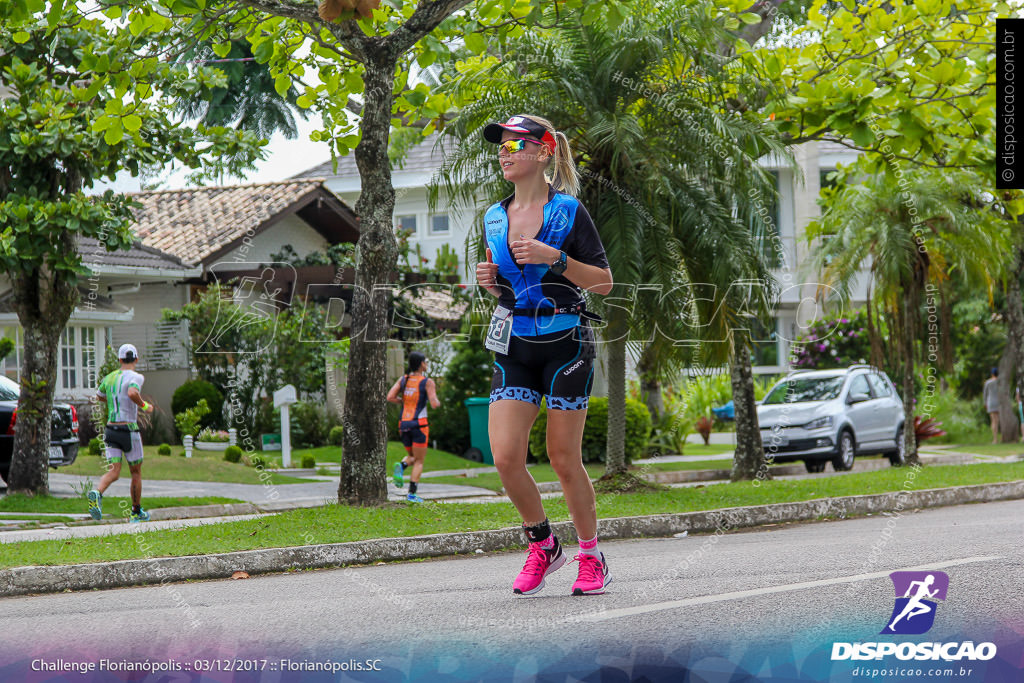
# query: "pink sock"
{"points": [[548, 543], [589, 547]]}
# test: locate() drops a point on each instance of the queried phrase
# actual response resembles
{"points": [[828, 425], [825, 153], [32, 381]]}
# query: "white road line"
{"points": [[739, 595]]}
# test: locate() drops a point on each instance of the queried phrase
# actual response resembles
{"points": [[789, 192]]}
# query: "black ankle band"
{"points": [[538, 532]]}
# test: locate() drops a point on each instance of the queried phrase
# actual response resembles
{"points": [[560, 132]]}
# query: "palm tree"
{"points": [[911, 235], [665, 170], [248, 100]]}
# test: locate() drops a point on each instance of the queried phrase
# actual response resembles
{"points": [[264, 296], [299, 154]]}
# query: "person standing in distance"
{"points": [[990, 394], [120, 390], [416, 391], [543, 250]]}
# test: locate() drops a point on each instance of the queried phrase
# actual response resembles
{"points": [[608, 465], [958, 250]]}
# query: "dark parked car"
{"points": [[63, 429]]}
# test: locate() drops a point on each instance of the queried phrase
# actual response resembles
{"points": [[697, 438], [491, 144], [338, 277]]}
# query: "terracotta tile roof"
{"points": [[139, 256], [195, 223]]}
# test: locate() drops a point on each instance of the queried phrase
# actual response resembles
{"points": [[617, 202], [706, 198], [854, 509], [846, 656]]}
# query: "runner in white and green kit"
{"points": [[120, 390]]}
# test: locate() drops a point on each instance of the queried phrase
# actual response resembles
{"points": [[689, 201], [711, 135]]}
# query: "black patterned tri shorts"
{"points": [[558, 366]]}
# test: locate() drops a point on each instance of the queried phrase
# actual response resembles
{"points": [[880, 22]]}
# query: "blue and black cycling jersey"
{"points": [[533, 287]]}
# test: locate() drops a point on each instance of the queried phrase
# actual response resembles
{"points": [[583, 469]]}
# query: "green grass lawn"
{"points": [[435, 460], [202, 466], [20, 503], [544, 472], [335, 523], [998, 449]]}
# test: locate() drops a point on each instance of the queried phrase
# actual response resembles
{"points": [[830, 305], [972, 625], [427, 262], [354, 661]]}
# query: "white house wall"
{"points": [[412, 200], [292, 230]]}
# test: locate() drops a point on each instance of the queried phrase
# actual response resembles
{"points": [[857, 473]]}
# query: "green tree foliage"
{"points": [[911, 236], [82, 99], [248, 355], [667, 171], [248, 100]]}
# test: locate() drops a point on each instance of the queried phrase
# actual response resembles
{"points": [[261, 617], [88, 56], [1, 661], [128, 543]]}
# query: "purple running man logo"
{"points": [[914, 613]]}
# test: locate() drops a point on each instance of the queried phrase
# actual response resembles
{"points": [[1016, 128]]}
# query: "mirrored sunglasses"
{"points": [[516, 145]]}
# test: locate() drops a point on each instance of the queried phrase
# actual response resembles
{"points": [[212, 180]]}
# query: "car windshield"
{"points": [[805, 389], [9, 389]]}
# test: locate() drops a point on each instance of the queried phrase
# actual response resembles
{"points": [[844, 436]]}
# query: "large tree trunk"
{"points": [[1011, 365], [650, 384], [44, 308], [365, 437], [908, 338], [615, 458], [748, 461]]}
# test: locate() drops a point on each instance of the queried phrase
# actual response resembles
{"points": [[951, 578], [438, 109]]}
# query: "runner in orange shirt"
{"points": [[416, 390]]}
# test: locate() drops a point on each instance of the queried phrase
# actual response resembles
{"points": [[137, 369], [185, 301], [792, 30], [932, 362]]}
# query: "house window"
{"points": [[406, 223], [764, 342], [439, 224], [77, 365]]}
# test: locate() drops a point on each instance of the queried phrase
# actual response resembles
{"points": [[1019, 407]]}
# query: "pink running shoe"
{"points": [[539, 563], [593, 575]]}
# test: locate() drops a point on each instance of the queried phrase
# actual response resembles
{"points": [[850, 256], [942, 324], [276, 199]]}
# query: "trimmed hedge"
{"points": [[164, 449], [595, 433]]}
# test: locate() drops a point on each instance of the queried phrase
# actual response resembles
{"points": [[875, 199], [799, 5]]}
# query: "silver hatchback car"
{"points": [[822, 416]]}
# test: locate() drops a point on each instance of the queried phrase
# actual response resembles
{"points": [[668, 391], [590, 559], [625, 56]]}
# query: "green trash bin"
{"points": [[479, 440]]}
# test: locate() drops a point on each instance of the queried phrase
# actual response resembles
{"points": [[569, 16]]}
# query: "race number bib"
{"points": [[500, 331]]}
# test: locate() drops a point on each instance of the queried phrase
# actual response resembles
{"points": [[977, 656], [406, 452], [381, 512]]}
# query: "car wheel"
{"points": [[815, 465], [843, 459], [474, 454], [898, 458], [5, 473]]}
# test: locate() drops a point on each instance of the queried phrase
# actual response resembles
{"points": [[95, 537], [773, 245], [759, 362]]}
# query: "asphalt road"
{"points": [[769, 602]]}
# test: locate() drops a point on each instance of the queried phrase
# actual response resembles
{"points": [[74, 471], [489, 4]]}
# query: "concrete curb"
{"points": [[28, 580]]}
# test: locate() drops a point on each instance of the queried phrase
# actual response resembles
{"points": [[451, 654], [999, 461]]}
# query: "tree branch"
{"points": [[353, 40], [428, 15]]}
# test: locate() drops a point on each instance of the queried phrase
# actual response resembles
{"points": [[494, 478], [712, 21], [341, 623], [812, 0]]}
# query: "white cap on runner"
{"points": [[127, 352]]}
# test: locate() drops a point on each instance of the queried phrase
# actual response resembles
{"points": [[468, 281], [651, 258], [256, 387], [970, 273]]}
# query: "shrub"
{"points": [[468, 374], [233, 454], [95, 446], [308, 462], [190, 393], [311, 424], [595, 433], [164, 449], [336, 435], [187, 422], [257, 461]]}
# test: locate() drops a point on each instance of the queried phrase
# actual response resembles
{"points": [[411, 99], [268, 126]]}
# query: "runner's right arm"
{"points": [[393, 394]]}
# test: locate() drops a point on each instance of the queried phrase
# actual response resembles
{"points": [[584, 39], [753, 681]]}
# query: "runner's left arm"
{"points": [[432, 394]]}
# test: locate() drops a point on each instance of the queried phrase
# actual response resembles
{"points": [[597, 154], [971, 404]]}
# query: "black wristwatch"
{"points": [[558, 267]]}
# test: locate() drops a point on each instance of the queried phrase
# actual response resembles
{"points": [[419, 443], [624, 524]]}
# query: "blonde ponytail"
{"points": [[565, 177]]}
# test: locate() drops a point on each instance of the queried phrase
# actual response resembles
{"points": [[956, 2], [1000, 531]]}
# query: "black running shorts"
{"points": [[558, 366], [414, 435]]}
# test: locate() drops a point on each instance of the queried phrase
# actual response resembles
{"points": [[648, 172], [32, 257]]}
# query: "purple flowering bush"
{"points": [[835, 342]]}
